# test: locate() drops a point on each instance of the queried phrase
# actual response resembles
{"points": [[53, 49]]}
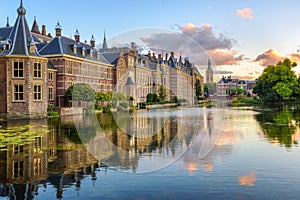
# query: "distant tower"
{"points": [[104, 44], [7, 22], [209, 73]]}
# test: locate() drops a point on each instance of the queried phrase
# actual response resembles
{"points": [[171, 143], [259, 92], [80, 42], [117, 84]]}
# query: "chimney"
{"points": [[77, 36], [133, 46], [44, 32], [172, 54], [159, 57], [92, 41], [153, 56], [58, 29]]}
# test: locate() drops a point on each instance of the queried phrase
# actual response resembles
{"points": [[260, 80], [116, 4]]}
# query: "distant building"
{"points": [[227, 84], [209, 73]]}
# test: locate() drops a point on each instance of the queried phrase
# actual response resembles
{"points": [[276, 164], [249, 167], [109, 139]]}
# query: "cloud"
{"points": [[246, 13], [226, 57], [222, 72], [270, 57], [199, 43]]}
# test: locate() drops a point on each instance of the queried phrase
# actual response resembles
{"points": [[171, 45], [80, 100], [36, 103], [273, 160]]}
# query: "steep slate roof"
{"points": [[111, 57], [172, 62], [50, 66], [130, 81], [63, 45], [104, 44], [35, 27], [4, 33], [20, 36], [209, 66]]}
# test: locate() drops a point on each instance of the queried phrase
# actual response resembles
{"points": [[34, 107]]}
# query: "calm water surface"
{"points": [[191, 153]]}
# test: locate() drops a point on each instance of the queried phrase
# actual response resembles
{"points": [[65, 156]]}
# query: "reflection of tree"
{"points": [[278, 125]]}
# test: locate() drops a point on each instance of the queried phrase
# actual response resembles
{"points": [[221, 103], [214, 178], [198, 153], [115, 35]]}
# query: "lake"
{"points": [[215, 152]]}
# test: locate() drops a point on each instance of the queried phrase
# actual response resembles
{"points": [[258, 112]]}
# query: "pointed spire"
{"points": [[180, 59], [22, 42], [209, 65], [7, 22], [104, 44], [35, 27], [21, 10], [58, 26], [77, 32]]}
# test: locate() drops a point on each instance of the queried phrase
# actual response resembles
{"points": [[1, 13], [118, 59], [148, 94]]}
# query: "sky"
{"points": [[241, 37]]}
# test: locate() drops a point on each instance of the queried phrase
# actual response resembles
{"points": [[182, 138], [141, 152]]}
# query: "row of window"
{"points": [[18, 70], [18, 93], [87, 70]]}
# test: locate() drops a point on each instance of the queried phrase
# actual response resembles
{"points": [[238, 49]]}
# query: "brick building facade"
{"points": [[38, 69]]}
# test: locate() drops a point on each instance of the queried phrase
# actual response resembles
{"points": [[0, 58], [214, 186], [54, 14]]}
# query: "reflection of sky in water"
{"points": [[242, 165]]}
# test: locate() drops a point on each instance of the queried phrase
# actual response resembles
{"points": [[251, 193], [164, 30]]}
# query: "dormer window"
{"points": [[91, 53], [7, 45], [83, 51], [31, 46], [75, 48]]}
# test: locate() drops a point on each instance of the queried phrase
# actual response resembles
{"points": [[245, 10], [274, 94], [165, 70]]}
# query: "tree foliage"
{"points": [[198, 89], [103, 96], [119, 100], [162, 93], [80, 92], [277, 82], [152, 97]]}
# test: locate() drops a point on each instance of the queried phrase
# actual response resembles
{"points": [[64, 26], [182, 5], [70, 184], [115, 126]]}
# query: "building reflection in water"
{"points": [[61, 152], [143, 136]]}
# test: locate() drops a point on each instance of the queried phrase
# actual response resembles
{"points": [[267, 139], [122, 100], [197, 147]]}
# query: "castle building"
{"points": [[24, 71], [38, 68]]}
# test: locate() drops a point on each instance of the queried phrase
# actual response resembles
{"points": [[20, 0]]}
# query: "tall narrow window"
{"points": [[69, 67], [18, 70], [50, 92], [18, 91], [37, 70], [37, 93], [50, 76]]}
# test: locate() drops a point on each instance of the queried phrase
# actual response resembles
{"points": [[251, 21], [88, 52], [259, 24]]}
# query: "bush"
{"points": [[235, 100], [106, 109], [52, 113], [152, 97], [175, 99], [98, 107]]}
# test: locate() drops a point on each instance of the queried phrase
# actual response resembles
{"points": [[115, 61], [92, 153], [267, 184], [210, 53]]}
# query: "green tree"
{"points": [[152, 97], [277, 82], [103, 96], [119, 100], [162, 93], [198, 89], [80, 92]]}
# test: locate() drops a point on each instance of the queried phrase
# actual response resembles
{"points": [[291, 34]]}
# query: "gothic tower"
{"points": [[209, 73]]}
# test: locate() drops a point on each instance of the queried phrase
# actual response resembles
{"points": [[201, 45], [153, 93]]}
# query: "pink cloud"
{"points": [[197, 42], [246, 13], [222, 57], [270, 57]]}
